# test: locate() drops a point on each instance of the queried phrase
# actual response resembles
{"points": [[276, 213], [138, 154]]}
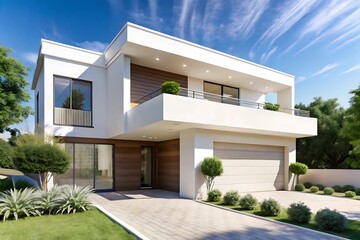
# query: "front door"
{"points": [[146, 167]]}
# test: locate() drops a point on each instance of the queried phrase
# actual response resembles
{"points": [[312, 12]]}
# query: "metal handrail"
{"points": [[222, 99]]}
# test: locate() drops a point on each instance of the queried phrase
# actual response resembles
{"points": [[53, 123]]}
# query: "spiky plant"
{"points": [[19, 203], [73, 199], [48, 199]]}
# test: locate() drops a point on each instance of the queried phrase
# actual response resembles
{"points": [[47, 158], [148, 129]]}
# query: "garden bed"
{"points": [[335, 194]]}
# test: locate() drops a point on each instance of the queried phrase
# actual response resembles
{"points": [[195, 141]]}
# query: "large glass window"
{"points": [[221, 93], [91, 165], [73, 102]]}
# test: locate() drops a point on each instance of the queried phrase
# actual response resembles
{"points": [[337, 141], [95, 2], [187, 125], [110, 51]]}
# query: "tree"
{"points": [[43, 159], [78, 99], [329, 149], [211, 167], [6, 155], [12, 91], [298, 169], [351, 129]]}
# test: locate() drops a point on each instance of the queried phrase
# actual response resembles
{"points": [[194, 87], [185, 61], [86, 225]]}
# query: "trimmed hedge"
{"points": [[214, 196], [357, 191], [320, 186], [308, 184], [231, 198], [299, 212], [270, 207], [346, 188], [350, 194], [337, 188], [330, 220], [314, 189], [299, 187], [248, 202], [328, 191]]}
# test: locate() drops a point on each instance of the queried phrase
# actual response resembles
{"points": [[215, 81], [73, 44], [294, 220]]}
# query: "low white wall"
{"points": [[331, 177]]}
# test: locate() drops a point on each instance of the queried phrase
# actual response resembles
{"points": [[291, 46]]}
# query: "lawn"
{"points": [[352, 232], [87, 225]]}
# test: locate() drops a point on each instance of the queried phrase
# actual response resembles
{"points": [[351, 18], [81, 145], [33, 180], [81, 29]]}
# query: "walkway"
{"points": [[158, 214]]}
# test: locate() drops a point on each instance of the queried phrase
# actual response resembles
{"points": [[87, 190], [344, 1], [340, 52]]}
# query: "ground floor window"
{"points": [[91, 165]]}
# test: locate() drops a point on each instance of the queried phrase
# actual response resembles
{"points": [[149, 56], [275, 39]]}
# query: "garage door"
{"points": [[250, 168]]}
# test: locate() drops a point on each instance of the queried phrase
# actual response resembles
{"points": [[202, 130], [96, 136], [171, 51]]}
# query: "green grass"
{"points": [[80, 226], [335, 194], [352, 232]]}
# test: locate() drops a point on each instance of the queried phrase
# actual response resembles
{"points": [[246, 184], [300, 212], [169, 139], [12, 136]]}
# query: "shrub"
{"points": [[320, 186], [350, 194], [307, 184], [299, 212], [211, 167], [6, 155], [248, 202], [170, 87], [357, 191], [6, 184], [48, 199], [271, 106], [328, 191], [348, 188], [22, 184], [270, 207], [337, 188], [299, 187], [19, 203], [214, 196], [331, 220], [231, 198], [298, 169], [72, 199], [314, 189]]}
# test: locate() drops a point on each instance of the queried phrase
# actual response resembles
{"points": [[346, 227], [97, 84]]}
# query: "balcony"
{"points": [[221, 99], [165, 115], [72, 117]]}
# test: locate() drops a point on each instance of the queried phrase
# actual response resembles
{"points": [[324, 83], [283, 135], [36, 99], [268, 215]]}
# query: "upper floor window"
{"points": [[221, 93], [73, 102]]}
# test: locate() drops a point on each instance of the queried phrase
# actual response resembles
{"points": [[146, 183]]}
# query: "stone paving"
{"points": [[159, 214]]}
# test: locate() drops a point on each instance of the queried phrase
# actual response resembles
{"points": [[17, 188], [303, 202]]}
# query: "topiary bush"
{"points": [[231, 198], [330, 220], [328, 191], [350, 194], [298, 169], [214, 196], [299, 212], [211, 167], [170, 87], [299, 187], [337, 188], [320, 186], [6, 184], [357, 191], [6, 155], [248, 202], [308, 184], [270, 207], [314, 189], [346, 188]]}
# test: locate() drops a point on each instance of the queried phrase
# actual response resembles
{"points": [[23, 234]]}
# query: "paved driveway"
{"points": [[349, 207], [158, 214]]}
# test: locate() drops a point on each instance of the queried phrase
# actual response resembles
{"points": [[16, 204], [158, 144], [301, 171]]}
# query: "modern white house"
{"points": [[123, 134]]}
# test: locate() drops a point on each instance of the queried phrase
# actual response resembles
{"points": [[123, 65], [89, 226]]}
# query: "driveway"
{"points": [[349, 207], [157, 214]]}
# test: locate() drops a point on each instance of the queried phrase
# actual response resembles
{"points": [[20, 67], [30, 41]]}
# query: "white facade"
{"points": [[196, 122]]}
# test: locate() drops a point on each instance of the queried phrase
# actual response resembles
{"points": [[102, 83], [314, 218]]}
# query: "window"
{"points": [[221, 93], [73, 102], [37, 108]]}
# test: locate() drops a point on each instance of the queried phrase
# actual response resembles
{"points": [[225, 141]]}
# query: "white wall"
{"points": [[195, 144], [250, 95], [331, 177], [40, 89], [286, 98]]}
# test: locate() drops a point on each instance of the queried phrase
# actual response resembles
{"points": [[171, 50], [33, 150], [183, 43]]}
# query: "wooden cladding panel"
{"points": [[168, 160], [145, 80]]}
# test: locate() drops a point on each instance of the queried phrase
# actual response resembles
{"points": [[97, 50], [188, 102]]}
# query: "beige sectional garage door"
{"points": [[250, 168]]}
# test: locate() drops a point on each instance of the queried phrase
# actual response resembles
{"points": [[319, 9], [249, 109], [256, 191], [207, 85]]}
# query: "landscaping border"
{"points": [[271, 220]]}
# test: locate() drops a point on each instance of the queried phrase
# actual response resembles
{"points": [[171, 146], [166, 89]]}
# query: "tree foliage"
{"points": [[211, 167], [78, 100], [12, 91], [351, 129], [298, 169], [329, 149], [6, 155]]}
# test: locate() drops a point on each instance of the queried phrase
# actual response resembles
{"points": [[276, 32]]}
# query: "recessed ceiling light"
{"points": [[170, 129], [144, 136], [155, 137], [157, 59], [230, 76], [184, 65], [251, 82], [150, 137], [266, 87], [207, 71]]}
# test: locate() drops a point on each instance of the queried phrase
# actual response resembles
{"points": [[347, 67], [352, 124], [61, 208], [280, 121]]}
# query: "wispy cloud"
{"points": [[325, 69], [245, 16], [96, 46], [147, 15], [299, 79], [210, 25], [352, 69], [265, 56], [53, 33], [30, 57], [185, 10]]}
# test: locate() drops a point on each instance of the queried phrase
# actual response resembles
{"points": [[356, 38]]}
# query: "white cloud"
{"points": [[325, 69], [210, 24], [251, 54], [30, 57], [265, 57], [92, 45], [352, 69], [5, 135], [299, 79], [245, 16], [185, 9]]}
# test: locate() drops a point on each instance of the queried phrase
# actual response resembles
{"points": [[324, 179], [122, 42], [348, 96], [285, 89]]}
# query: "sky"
{"points": [[317, 41]]}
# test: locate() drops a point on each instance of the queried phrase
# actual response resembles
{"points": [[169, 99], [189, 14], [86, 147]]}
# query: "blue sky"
{"points": [[318, 41]]}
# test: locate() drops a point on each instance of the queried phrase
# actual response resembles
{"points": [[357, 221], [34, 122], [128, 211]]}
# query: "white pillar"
{"points": [[285, 99], [290, 157]]}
